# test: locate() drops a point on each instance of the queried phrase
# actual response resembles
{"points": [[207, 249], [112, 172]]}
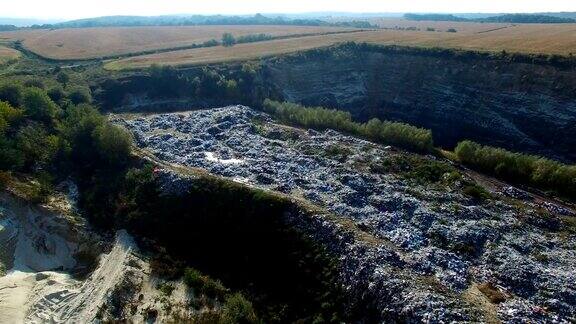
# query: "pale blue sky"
{"points": [[90, 8]]}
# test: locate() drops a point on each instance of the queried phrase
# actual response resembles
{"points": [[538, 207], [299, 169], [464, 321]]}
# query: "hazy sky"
{"points": [[91, 8]]}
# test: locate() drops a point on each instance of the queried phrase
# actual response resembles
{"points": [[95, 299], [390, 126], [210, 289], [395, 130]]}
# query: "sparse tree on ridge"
{"points": [[228, 39]]}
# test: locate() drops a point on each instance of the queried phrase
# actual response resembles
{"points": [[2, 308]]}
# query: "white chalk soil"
{"points": [[37, 249]]}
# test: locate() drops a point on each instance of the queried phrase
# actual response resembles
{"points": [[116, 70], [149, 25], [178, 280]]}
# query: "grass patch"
{"points": [[417, 168], [520, 168], [204, 285], [476, 192], [337, 152]]}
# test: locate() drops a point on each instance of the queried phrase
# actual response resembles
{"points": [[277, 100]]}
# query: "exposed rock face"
{"points": [[425, 247], [524, 107]]}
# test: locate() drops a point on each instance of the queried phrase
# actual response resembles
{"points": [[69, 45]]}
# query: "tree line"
{"points": [[531, 170], [386, 132], [508, 18], [193, 20], [49, 134], [520, 168]]}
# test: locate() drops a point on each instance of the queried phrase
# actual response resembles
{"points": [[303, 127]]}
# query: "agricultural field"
{"points": [[7, 54], [88, 43], [141, 43], [239, 52], [440, 26], [525, 38], [522, 38]]}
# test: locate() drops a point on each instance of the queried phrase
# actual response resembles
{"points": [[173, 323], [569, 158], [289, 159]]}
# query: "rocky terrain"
{"points": [[410, 250]]}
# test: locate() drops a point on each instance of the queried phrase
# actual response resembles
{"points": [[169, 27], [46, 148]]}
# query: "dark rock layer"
{"points": [[519, 106]]}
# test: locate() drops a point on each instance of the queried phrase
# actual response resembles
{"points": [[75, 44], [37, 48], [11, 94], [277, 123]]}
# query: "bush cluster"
{"points": [[253, 38], [238, 310], [229, 39], [386, 132], [520, 168], [204, 285], [168, 82], [46, 138]]}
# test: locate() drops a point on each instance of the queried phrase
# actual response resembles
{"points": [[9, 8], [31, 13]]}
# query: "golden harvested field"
{"points": [[7, 54], [86, 43], [546, 39], [238, 52], [461, 27]]}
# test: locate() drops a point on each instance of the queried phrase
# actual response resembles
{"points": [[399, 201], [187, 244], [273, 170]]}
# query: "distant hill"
{"points": [[434, 17], [501, 18], [569, 15], [178, 20], [8, 27], [26, 22], [527, 19]]}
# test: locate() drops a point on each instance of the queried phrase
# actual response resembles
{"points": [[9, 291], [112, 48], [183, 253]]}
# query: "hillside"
{"points": [[193, 20], [502, 18], [418, 172], [392, 222]]}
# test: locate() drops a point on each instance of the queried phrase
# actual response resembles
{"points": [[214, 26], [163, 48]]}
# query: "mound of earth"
{"points": [[429, 251]]}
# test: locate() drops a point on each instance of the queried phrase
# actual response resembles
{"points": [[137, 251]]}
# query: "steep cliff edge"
{"points": [[520, 106]]}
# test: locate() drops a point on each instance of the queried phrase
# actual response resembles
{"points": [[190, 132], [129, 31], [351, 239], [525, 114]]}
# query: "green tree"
{"points": [[231, 90], [519, 168], [80, 96], [228, 39], [10, 157], [56, 94], [77, 127], [399, 134], [210, 43], [34, 83], [238, 310], [113, 143], [38, 106], [39, 147], [63, 78], [8, 116], [11, 93]]}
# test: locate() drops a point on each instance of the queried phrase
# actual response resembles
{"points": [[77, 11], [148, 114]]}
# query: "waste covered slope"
{"points": [[423, 248]]}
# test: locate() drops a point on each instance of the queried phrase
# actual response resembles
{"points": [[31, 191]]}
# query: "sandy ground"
{"points": [[37, 248], [32, 246], [79, 302]]}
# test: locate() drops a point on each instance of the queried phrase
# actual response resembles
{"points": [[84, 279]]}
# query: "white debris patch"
{"points": [[210, 156]]}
